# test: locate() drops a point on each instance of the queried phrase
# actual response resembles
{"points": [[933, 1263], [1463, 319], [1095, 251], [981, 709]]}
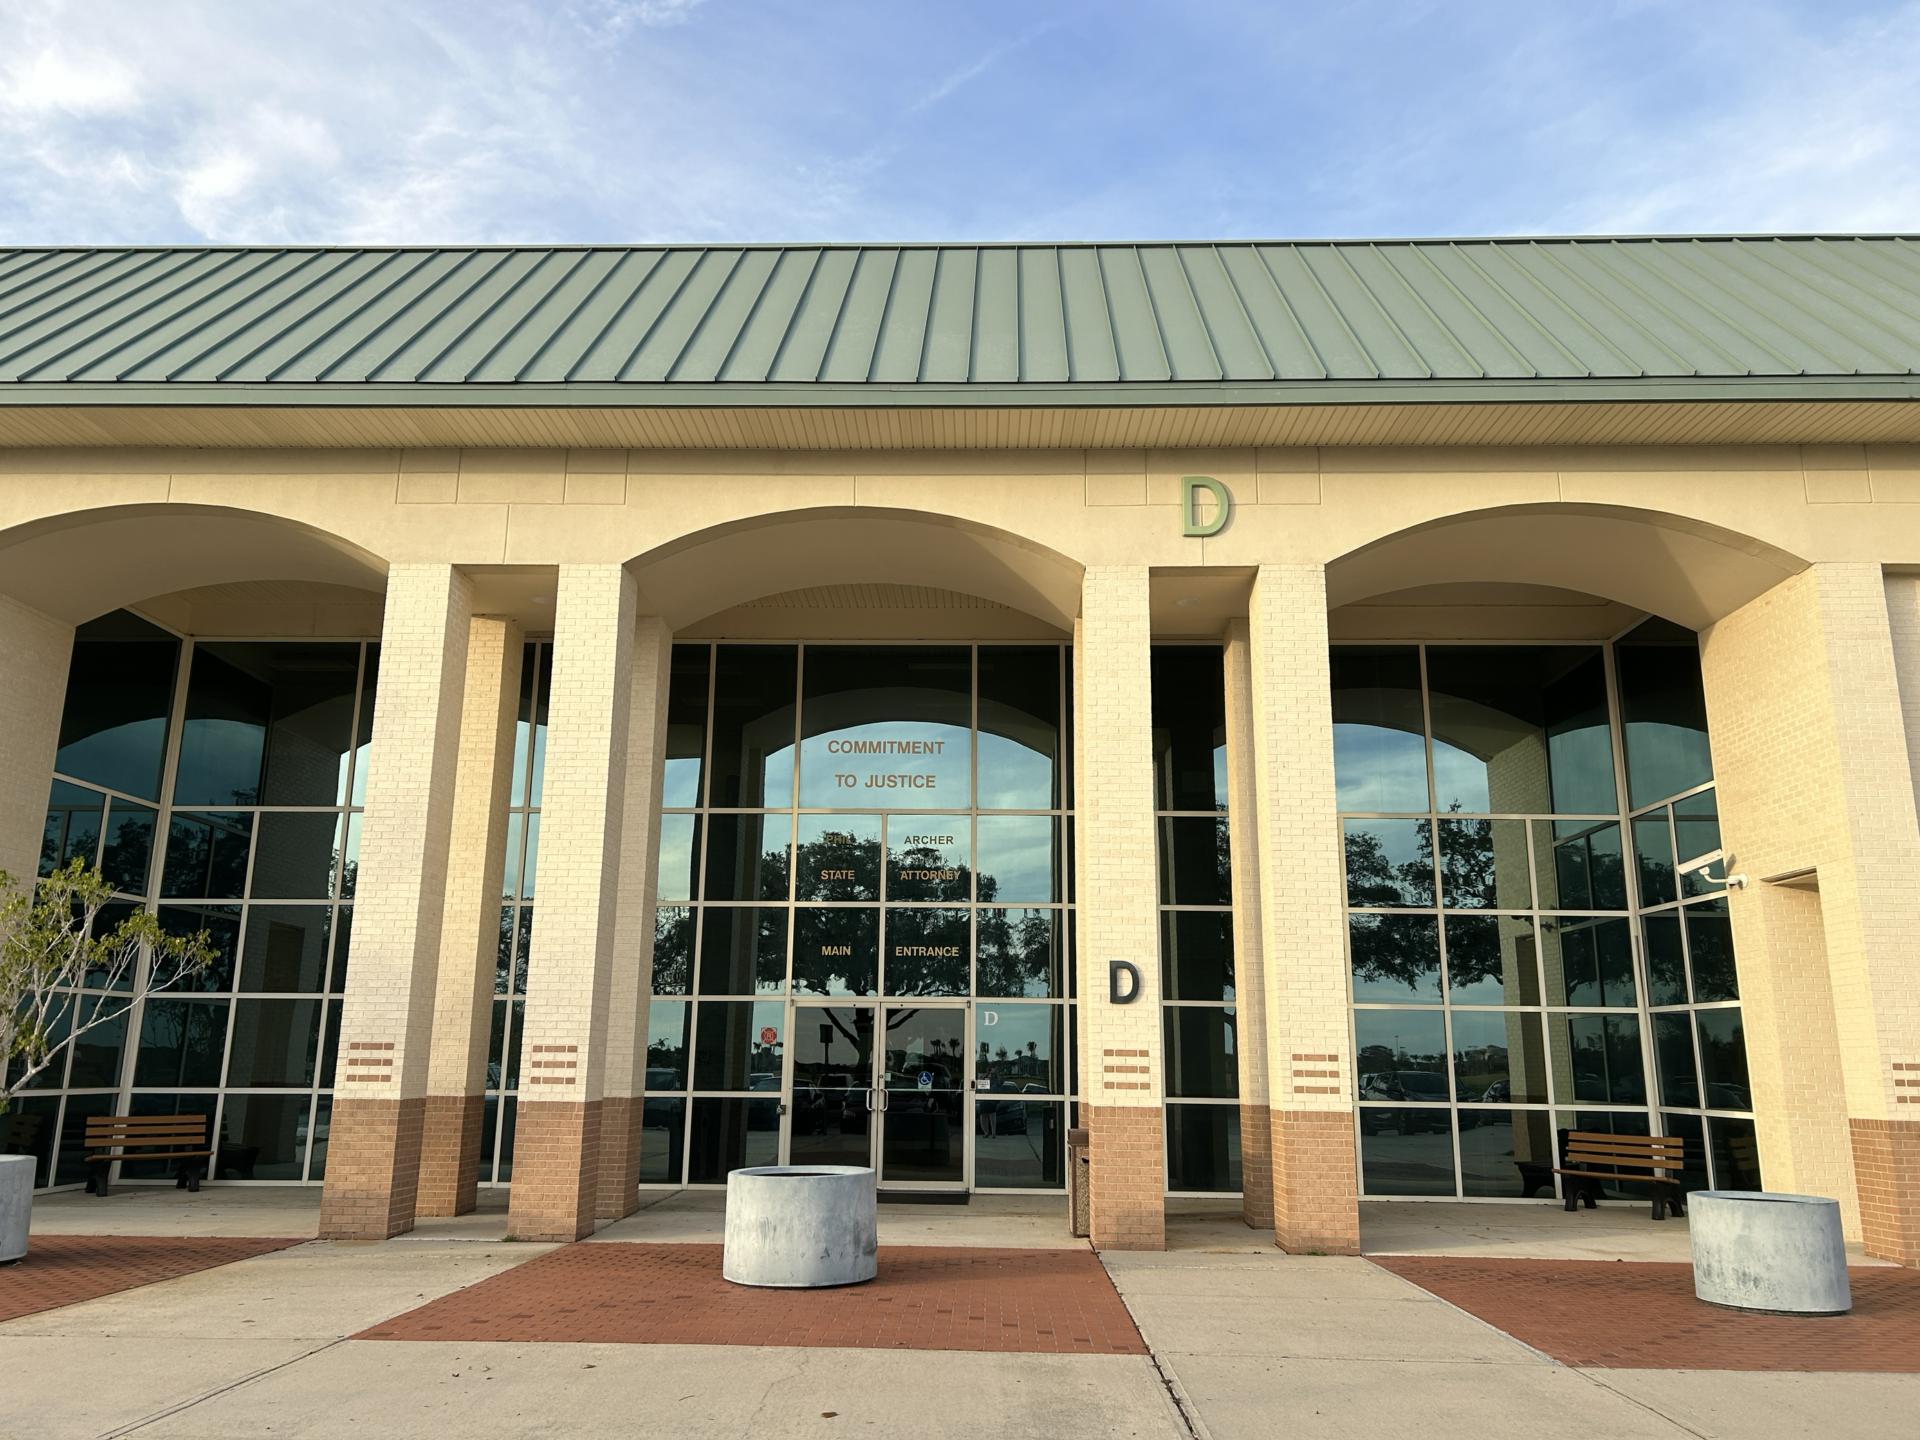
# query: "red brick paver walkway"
{"points": [[925, 1298], [1643, 1316], [66, 1269]]}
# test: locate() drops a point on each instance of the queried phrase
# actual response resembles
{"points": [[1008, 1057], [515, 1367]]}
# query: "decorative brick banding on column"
{"points": [[450, 1155], [556, 1169], [1316, 1199], [1886, 1173], [1128, 1164], [373, 1168]]}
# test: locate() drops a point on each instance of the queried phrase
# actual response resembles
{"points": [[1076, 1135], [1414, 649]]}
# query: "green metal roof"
{"points": [[1240, 322]]}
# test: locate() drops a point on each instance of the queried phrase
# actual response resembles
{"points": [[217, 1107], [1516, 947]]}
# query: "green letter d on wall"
{"points": [[1192, 487]]}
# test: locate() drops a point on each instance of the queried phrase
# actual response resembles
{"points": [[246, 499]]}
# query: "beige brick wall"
{"points": [[387, 1021], [1811, 752], [1302, 917], [1118, 882], [34, 653], [470, 929], [1250, 982], [569, 977]]}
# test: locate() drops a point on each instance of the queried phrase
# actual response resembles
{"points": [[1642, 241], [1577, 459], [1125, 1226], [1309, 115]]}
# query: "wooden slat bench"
{"points": [[147, 1137], [1657, 1155]]}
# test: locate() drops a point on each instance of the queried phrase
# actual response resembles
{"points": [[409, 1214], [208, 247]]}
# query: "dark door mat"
{"points": [[66, 1269], [924, 1298], [1638, 1315], [924, 1197]]}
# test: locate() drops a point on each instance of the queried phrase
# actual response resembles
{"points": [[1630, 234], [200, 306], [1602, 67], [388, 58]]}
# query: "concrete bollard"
{"points": [[1755, 1250], [801, 1226], [16, 1204]]}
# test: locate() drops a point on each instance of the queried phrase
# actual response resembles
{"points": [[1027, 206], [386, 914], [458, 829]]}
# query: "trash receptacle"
{"points": [[1079, 1208], [1756, 1250]]}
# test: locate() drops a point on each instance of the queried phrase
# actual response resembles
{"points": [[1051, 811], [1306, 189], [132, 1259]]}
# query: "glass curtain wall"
{"points": [[1197, 1014], [1521, 937], [860, 821], [219, 784], [516, 916]]}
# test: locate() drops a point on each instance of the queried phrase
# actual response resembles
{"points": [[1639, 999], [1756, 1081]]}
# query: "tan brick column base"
{"points": [[1886, 1172], [556, 1169], [1256, 1166], [1316, 1202], [373, 1168], [620, 1120], [1126, 1184], [450, 1155]]}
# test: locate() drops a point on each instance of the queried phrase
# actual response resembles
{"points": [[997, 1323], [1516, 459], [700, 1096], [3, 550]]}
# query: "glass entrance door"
{"points": [[830, 1117], [924, 1080]]}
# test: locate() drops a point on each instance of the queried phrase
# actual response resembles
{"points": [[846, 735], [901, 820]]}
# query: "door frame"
{"points": [[964, 1006]]}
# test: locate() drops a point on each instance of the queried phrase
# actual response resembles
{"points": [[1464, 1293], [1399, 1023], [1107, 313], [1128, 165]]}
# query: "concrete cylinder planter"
{"points": [[801, 1226], [16, 1204], [1755, 1250]]}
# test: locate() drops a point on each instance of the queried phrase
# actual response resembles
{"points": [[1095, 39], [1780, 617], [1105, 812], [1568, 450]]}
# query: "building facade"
{"points": [[1324, 718]]}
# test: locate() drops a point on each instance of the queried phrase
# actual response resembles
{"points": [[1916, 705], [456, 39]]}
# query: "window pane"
{"points": [[1203, 1147], [286, 948], [1506, 1154], [181, 1043], [747, 856], [127, 859], [723, 1045], [307, 689], [1653, 853], [1723, 1059], [207, 856], [342, 948], [113, 729], [73, 826], [1021, 1048], [927, 952], [672, 950], [1402, 1055], [1415, 1161], [363, 740], [222, 924], [1201, 1063], [679, 856], [1710, 943], [1597, 1058], [753, 726], [929, 860], [1580, 864], [202, 1105], [1019, 727], [1696, 828], [1017, 953], [663, 1134], [1666, 962], [1389, 862], [97, 1050], [1692, 1173], [1665, 711], [837, 858], [296, 856], [731, 1135], [887, 725], [1736, 1154], [1189, 727], [1195, 865], [1588, 962], [1395, 957], [686, 727], [1017, 1143], [1483, 865], [263, 1137], [1491, 960], [1499, 1057], [1520, 728], [1673, 1060], [275, 1042], [1016, 858], [743, 951], [669, 1025], [1196, 955], [836, 952], [223, 742], [1379, 728]]}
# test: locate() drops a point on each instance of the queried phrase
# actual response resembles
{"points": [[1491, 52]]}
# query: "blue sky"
{"points": [[797, 120]]}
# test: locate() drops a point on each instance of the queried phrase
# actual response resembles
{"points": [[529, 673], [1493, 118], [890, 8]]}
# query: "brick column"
{"points": [[34, 652], [1804, 691], [1249, 970], [379, 1104], [623, 1107], [470, 935], [1118, 880], [556, 1148], [1302, 915]]}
